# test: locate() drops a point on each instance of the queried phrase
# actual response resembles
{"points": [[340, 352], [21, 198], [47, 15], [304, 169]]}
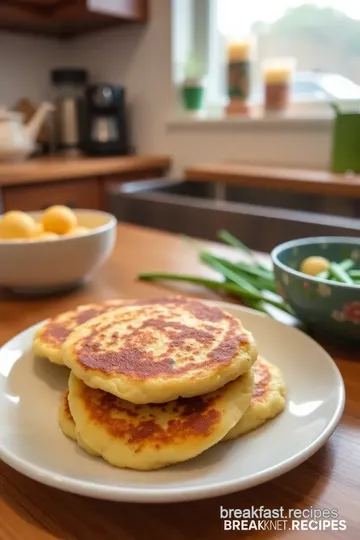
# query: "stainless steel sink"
{"points": [[194, 209]]}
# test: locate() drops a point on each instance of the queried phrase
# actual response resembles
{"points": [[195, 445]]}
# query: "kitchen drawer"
{"points": [[84, 193]]}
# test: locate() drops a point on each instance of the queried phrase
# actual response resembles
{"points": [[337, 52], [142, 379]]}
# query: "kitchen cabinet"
{"points": [[315, 181], [84, 193], [66, 18], [78, 182]]}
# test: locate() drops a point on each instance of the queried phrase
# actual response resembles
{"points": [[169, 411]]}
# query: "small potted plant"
{"points": [[192, 88]]}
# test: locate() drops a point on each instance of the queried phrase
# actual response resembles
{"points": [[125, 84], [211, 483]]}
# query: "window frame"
{"points": [[208, 46]]}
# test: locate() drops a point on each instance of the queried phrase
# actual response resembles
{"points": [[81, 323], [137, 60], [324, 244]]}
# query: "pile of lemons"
{"points": [[56, 222]]}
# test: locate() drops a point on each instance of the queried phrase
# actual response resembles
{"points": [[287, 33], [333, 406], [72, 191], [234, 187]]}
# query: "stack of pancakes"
{"points": [[159, 381]]}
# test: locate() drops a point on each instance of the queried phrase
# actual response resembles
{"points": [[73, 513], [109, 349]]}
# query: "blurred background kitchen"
{"points": [[185, 115]]}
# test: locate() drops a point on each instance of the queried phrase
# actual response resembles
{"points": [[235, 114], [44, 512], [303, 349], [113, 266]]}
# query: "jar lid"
{"points": [[69, 76]]}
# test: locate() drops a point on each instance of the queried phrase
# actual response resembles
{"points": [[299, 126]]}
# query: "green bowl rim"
{"points": [[309, 241]]}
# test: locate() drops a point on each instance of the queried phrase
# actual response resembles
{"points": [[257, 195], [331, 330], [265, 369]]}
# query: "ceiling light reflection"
{"points": [[304, 409], [8, 359], [13, 399]]}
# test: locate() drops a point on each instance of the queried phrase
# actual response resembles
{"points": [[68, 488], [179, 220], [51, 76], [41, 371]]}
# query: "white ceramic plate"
{"points": [[31, 441]]}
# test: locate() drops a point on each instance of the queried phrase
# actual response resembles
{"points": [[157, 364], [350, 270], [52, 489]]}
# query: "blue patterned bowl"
{"points": [[326, 305]]}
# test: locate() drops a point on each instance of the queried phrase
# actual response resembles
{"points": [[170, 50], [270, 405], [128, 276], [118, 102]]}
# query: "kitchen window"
{"points": [[320, 36]]}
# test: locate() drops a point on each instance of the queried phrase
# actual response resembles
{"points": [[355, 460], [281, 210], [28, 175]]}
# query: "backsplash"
{"points": [[25, 63]]}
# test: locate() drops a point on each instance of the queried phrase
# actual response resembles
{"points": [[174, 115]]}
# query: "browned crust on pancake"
{"points": [[66, 408], [56, 330], [262, 372], [136, 360], [192, 418]]}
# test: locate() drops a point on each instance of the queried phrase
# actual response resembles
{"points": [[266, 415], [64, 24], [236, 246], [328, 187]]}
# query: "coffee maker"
{"points": [[104, 123]]}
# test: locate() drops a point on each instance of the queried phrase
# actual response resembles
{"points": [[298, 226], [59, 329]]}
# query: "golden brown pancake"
{"points": [[67, 424], [49, 338], [155, 351], [66, 420], [151, 436], [268, 398]]}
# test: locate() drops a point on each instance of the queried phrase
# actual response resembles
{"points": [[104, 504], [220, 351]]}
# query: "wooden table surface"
{"points": [[270, 177], [330, 479], [57, 168]]}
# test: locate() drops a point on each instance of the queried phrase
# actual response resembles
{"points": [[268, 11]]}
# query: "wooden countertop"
{"points": [[265, 177], [329, 479], [63, 168]]}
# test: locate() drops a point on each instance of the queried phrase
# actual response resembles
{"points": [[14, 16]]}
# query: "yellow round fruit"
{"points": [[16, 225], [59, 219], [38, 229], [77, 231], [314, 265]]}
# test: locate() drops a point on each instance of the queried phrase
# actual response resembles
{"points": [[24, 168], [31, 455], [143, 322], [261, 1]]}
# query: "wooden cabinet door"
{"points": [[37, 7], [68, 17], [31, 15], [82, 193], [37, 3]]}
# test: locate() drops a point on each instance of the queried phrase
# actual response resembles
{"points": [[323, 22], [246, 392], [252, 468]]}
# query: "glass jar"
{"points": [[277, 74], [69, 87]]}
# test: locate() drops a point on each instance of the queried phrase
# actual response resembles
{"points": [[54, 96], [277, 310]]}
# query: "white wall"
{"points": [[289, 146], [25, 63], [139, 57]]}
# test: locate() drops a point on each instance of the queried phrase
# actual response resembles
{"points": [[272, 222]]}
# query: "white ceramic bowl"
{"points": [[54, 265]]}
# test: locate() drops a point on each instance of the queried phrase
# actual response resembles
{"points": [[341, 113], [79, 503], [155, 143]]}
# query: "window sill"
{"points": [[289, 121]]}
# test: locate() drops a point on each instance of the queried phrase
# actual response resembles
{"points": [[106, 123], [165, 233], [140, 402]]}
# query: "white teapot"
{"points": [[18, 141]]}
